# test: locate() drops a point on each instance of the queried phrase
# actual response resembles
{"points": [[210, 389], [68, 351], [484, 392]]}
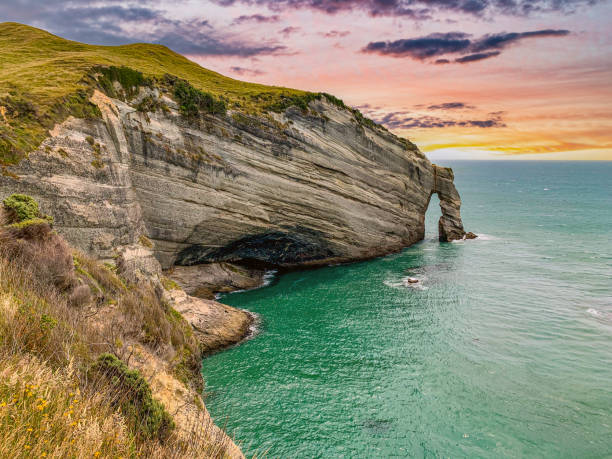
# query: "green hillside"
{"points": [[49, 67], [45, 78]]}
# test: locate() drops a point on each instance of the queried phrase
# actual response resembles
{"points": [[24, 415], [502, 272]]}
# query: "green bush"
{"points": [[128, 78], [133, 396], [300, 101], [48, 220], [17, 106], [192, 101], [334, 100], [22, 206], [149, 104]]}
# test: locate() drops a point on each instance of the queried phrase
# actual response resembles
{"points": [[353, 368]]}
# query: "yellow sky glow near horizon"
{"points": [[551, 96]]}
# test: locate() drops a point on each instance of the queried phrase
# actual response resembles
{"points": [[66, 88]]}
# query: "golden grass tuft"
{"points": [[44, 414]]}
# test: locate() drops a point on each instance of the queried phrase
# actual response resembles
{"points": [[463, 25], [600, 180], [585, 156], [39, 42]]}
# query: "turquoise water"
{"points": [[505, 349]]}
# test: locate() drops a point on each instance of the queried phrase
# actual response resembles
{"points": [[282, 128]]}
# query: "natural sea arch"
{"points": [[450, 226]]}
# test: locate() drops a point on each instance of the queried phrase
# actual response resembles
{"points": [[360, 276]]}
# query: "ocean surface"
{"points": [[503, 349]]}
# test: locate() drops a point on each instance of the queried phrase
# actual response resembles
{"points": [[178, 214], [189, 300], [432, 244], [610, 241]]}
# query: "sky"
{"points": [[463, 79]]}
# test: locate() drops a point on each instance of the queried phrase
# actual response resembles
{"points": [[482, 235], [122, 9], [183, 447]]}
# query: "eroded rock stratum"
{"points": [[298, 188]]}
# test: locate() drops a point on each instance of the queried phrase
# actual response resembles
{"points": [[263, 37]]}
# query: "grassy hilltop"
{"points": [[49, 68], [45, 78]]}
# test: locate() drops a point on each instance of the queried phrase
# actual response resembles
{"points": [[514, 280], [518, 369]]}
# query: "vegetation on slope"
{"points": [[67, 326], [45, 78]]}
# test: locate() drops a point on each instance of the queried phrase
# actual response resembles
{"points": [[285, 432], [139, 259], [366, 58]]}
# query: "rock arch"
{"points": [[450, 226]]}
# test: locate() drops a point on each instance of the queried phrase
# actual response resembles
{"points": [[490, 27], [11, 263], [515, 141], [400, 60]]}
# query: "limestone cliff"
{"points": [[149, 162], [300, 187]]}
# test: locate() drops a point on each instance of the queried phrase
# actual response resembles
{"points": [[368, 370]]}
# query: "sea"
{"points": [[503, 348]]}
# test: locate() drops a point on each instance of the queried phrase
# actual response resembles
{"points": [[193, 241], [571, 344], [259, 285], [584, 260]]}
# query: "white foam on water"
{"points": [[485, 237], [480, 237], [595, 312], [403, 283], [268, 277], [255, 326]]}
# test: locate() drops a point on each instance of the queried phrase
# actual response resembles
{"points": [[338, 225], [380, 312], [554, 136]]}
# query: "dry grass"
{"points": [[58, 314], [44, 414]]}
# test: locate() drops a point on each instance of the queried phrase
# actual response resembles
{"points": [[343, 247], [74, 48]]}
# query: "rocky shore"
{"points": [[215, 325]]}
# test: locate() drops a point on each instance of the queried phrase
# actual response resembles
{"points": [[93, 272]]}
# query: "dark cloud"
{"points": [[287, 31], [336, 33], [406, 120], [373, 7], [421, 48], [247, 72], [190, 40], [440, 44], [422, 9], [501, 40], [451, 106], [112, 23], [258, 18], [476, 57]]}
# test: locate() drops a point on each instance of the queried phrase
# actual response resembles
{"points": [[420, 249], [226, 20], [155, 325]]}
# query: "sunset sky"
{"points": [[464, 79]]}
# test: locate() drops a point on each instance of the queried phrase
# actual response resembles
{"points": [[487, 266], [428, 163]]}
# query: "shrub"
{"points": [[149, 104], [128, 78], [80, 296], [22, 206], [192, 101], [103, 277], [43, 253], [134, 397], [36, 229], [334, 100], [23, 212], [300, 101], [38, 318]]}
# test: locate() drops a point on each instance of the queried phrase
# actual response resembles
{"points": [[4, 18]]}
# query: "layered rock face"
{"points": [[275, 190]]}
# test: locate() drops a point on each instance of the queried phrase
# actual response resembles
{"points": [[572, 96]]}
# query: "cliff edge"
{"points": [[294, 179]]}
